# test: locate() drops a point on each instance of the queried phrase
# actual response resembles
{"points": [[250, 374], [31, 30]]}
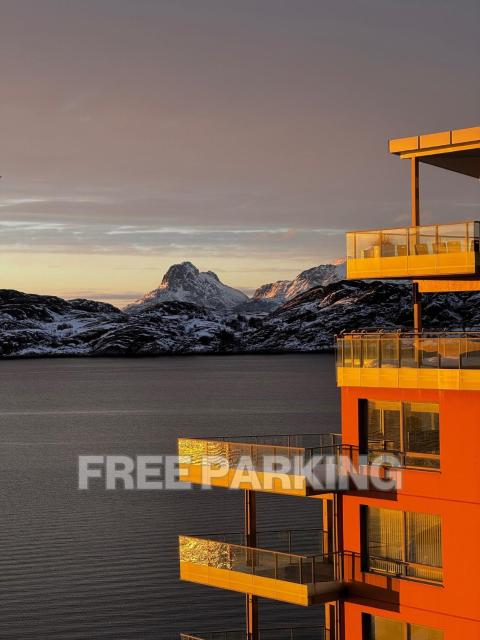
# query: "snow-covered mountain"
{"points": [[33, 325], [283, 290], [185, 283]]}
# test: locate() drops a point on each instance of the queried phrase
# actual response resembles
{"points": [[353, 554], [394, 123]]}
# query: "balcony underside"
{"points": [[282, 590], [447, 285], [444, 264], [409, 378], [457, 150]]}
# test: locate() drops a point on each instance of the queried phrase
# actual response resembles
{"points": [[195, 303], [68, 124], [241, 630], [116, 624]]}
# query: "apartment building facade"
{"points": [[396, 557]]}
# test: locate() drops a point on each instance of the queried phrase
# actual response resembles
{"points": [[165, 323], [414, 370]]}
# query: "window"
{"points": [[377, 628], [405, 544], [409, 429]]}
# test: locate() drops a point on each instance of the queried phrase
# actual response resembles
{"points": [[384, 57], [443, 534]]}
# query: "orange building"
{"points": [[396, 564]]}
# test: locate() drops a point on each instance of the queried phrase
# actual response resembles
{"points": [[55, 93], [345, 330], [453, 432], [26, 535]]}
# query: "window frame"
{"points": [[363, 424], [366, 557], [368, 627]]}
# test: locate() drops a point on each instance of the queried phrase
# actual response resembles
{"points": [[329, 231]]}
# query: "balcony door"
{"points": [[404, 544]]}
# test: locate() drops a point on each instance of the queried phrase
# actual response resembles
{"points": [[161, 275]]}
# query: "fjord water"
{"points": [[103, 564]]}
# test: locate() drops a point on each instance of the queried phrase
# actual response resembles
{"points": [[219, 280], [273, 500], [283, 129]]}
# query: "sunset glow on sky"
{"points": [[243, 135]]}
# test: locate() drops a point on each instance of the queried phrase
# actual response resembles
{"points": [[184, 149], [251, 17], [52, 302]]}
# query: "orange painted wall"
{"points": [[453, 492]]}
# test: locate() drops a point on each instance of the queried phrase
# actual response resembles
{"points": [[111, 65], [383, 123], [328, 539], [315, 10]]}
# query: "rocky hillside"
{"points": [[32, 325]]}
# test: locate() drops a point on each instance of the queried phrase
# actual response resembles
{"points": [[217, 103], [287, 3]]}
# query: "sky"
{"points": [[243, 135]]}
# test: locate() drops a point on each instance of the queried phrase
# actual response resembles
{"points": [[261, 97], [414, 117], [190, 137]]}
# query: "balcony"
{"points": [[299, 464], [425, 251], [273, 633], [430, 360], [298, 571]]}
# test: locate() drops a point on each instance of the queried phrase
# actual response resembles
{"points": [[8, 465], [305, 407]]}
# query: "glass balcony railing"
{"points": [[298, 578], [427, 360], [433, 250], [429, 350], [268, 633], [280, 463], [307, 541]]}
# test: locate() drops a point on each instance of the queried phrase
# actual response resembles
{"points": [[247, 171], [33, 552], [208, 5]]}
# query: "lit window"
{"points": [[378, 628], [410, 430], [404, 544]]}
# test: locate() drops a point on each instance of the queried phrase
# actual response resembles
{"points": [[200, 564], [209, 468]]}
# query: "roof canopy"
{"points": [[457, 150]]}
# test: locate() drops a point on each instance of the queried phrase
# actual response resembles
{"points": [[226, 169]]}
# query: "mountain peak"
{"points": [[179, 273], [284, 290], [183, 282]]}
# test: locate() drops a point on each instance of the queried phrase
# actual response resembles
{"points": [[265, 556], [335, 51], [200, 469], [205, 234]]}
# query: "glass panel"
{"points": [[264, 563], [422, 434], [424, 633], [357, 353], [195, 449], [453, 237], [391, 422], [350, 246], [375, 434], [385, 539], [424, 545], [422, 240], [449, 351], [389, 351], [307, 570], [383, 427], [394, 243], [371, 346], [384, 629], [241, 559], [340, 353], [470, 353], [368, 244], [407, 352], [428, 352], [288, 568], [347, 352]]}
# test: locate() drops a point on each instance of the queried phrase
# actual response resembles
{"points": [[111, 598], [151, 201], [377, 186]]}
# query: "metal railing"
{"points": [[426, 350], [405, 459], [296, 568], [404, 569], [308, 541], [267, 633], [438, 239]]}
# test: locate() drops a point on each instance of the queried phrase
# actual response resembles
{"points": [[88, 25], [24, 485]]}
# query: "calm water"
{"points": [[97, 564]]}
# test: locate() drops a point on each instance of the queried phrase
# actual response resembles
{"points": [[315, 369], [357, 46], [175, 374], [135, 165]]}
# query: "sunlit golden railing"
{"points": [[293, 447], [273, 633], [432, 350], [290, 567], [409, 251]]}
